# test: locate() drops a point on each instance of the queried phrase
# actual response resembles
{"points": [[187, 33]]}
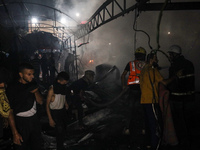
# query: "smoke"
{"points": [[177, 27], [80, 10], [114, 42]]}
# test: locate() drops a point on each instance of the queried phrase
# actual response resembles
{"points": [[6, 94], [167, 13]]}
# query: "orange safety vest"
{"points": [[134, 73]]}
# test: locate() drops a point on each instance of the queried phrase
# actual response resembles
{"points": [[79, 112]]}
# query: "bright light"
{"points": [[168, 32], [77, 14], [63, 20], [91, 61], [34, 20], [109, 43]]}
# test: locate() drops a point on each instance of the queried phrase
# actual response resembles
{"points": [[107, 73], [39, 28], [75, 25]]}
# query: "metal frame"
{"points": [[103, 15]]}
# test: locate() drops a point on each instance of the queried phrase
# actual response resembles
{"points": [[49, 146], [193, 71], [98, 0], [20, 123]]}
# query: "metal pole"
{"points": [[76, 59]]}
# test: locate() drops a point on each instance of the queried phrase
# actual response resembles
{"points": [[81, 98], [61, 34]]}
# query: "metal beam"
{"points": [[104, 15], [109, 10]]}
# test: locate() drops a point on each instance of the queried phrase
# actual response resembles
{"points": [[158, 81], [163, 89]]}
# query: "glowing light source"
{"points": [[34, 20], [168, 32], [83, 22], [77, 14], [91, 61], [63, 20]]}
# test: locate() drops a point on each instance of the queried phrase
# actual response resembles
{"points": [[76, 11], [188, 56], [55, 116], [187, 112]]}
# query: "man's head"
{"points": [[62, 78], [89, 76], [174, 52], [26, 72], [152, 59], [140, 53]]}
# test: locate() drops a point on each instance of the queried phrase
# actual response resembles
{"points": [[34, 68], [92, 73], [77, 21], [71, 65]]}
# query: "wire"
{"points": [[158, 25], [136, 30]]}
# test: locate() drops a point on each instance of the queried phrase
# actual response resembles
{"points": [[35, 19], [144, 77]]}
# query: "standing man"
{"points": [[44, 67], [136, 123], [78, 88], [149, 79], [52, 69], [23, 96], [181, 94], [56, 106]]}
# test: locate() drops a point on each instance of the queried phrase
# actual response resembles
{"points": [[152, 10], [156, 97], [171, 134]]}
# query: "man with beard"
{"points": [[56, 106], [23, 96]]}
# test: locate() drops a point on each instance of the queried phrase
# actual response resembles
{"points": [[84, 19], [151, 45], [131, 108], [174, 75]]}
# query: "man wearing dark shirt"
{"points": [[182, 94], [77, 90], [23, 96]]}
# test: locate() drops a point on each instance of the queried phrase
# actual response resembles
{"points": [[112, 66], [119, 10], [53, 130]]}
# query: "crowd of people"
{"points": [[149, 94], [20, 98], [44, 64], [160, 107]]}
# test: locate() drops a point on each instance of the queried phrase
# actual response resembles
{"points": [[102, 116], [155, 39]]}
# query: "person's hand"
{"points": [[17, 139], [35, 90], [52, 123], [66, 106]]}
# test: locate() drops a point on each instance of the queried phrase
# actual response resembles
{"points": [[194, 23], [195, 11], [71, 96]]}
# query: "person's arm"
{"points": [[66, 105], [49, 97], [17, 138], [170, 80], [123, 79], [38, 96]]}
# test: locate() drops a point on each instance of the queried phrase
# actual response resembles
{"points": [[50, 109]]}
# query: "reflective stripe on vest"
{"points": [[135, 69], [186, 76], [181, 94]]}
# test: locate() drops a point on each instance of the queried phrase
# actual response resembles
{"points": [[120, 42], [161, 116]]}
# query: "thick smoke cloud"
{"points": [[182, 25], [114, 42]]}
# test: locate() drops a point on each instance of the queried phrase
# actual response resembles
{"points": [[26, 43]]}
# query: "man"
{"points": [[77, 88], [136, 125], [134, 68], [45, 74], [181, 93], [51, 66], [23, 96], [149, 79], [55, 107]]}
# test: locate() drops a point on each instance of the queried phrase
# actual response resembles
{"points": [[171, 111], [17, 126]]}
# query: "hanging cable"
{"points": [[136, 30], [158, 25], [135, 27]]}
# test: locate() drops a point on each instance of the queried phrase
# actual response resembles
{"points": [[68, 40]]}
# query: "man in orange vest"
{"points": [[136, 125]]}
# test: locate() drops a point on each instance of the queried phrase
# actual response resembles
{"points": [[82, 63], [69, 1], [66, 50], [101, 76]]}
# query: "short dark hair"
{"points": [[23, 66], [89, 72], [62, 76]]}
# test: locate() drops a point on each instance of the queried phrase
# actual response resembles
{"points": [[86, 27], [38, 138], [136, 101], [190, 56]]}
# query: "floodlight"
{"points": [[34, 20]]}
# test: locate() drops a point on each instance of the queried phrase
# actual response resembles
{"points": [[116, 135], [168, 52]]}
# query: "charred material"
{"points": [[107, 115]]}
